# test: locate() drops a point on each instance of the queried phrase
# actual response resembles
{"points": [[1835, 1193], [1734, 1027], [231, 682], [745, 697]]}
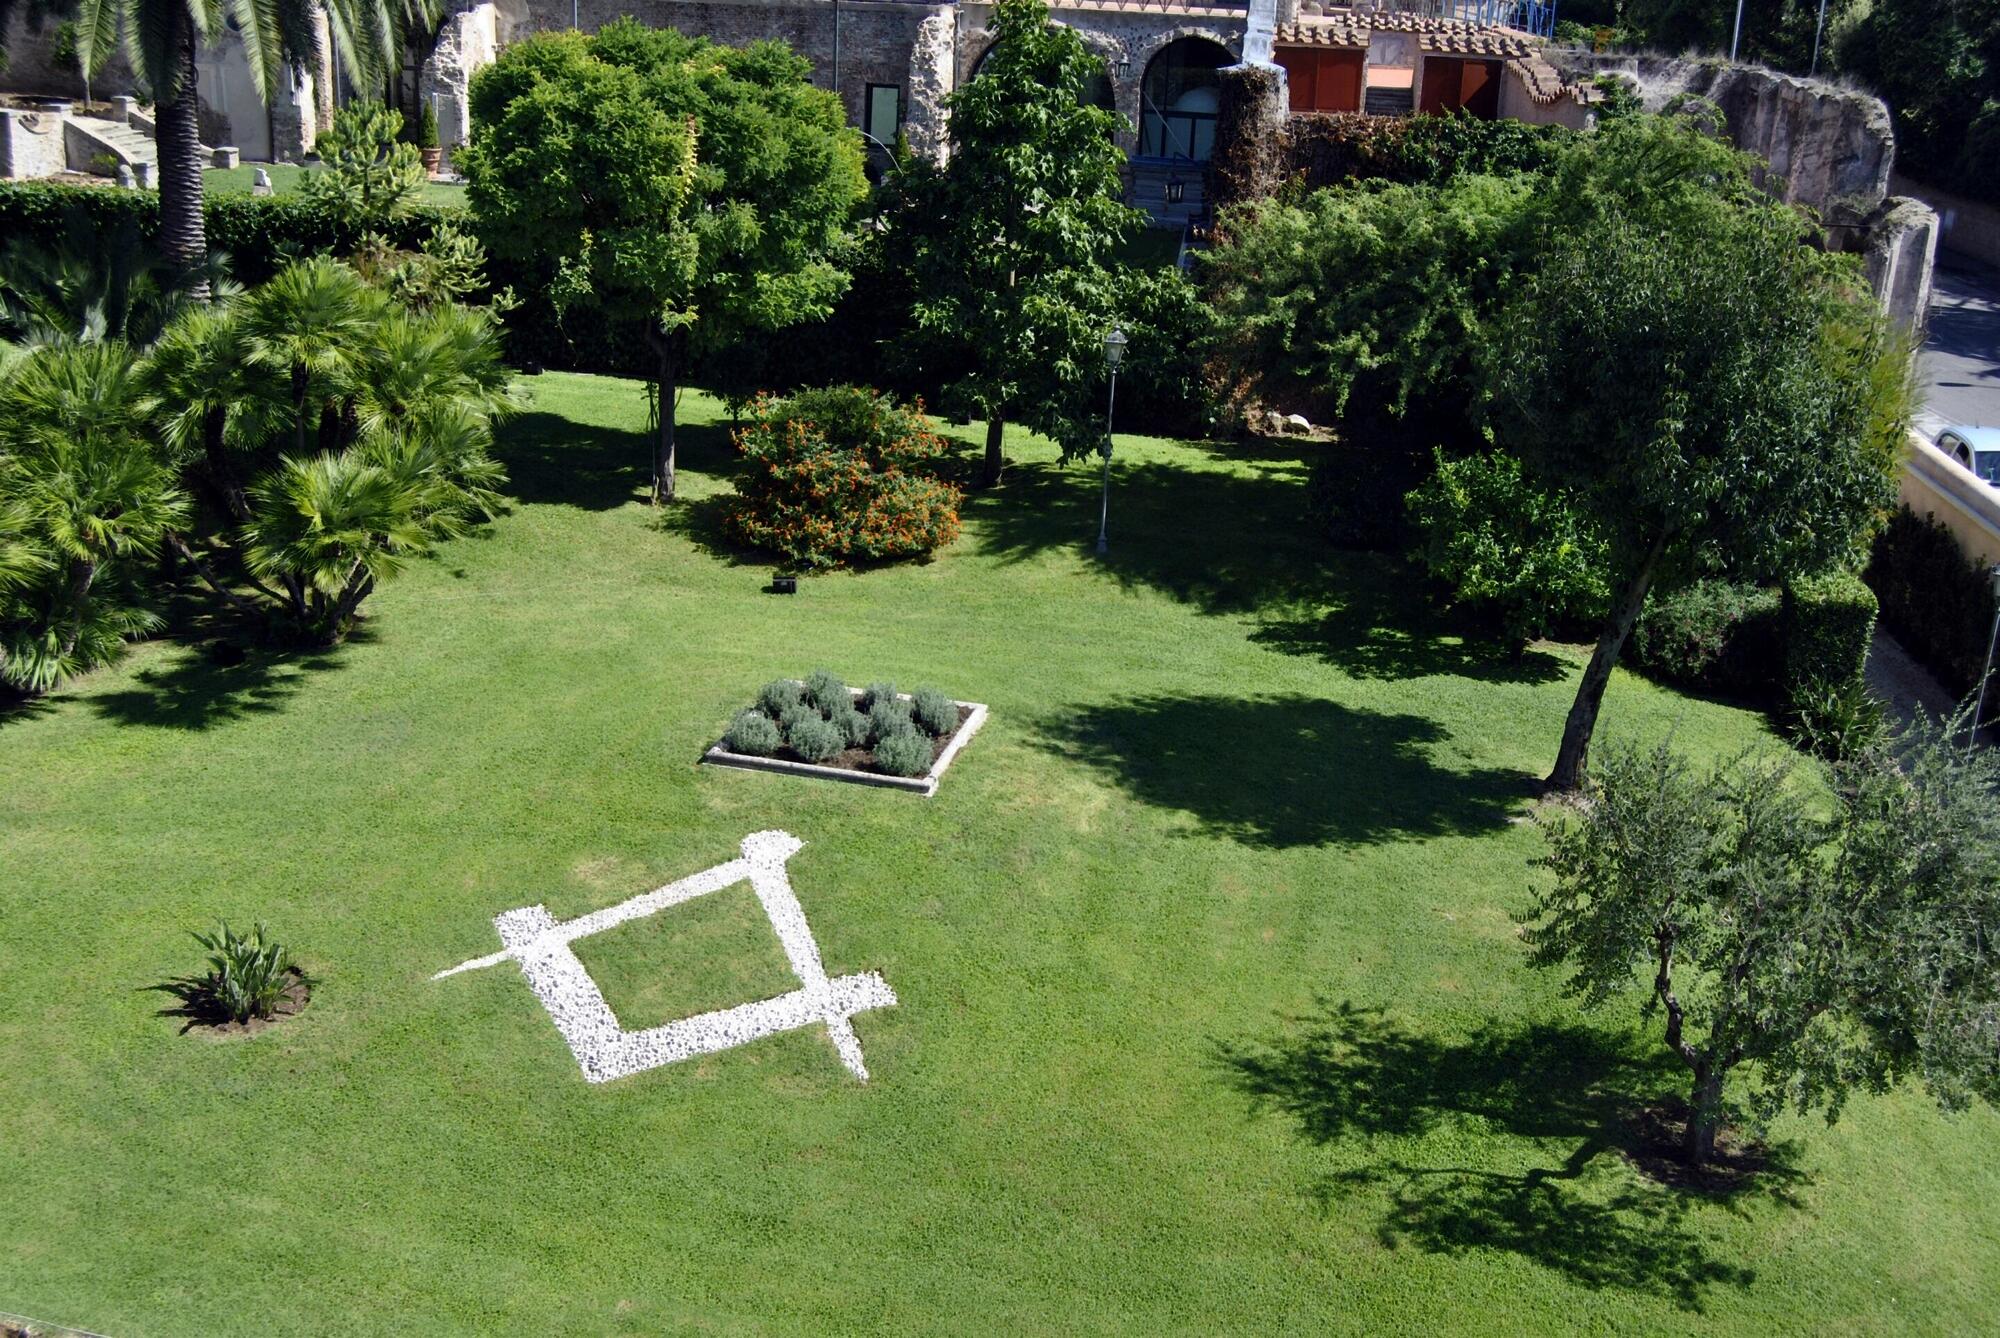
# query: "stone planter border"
{"points": [[925, 785]]}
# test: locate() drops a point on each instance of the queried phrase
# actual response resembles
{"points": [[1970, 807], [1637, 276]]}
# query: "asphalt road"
{"points": [[1960, 366]]}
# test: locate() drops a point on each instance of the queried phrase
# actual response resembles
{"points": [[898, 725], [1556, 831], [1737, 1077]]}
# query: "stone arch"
{"points": [[1180, 94]]}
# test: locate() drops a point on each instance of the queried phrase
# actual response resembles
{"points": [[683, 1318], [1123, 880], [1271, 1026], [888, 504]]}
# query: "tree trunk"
{"points": [[1582, 722], [177, 141], [667, 346], [1704, 1116], [215, 453], [82, 574], [996, 462]]}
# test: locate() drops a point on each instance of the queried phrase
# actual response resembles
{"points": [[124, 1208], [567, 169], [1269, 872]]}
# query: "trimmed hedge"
{"points": [[1766, 645], [256, 230], [1828, 622], [1935, 599], [1713, 636]]}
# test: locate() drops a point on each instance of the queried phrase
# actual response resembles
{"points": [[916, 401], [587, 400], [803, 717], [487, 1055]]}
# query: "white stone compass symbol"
{"points": [[605, 1050]]}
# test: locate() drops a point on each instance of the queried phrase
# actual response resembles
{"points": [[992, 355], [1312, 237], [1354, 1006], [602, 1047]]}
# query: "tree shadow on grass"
{"points": [[1225, 541], [557, 461], [1343, 1072], [1381, 624], [217, 681], [1283, 771]]}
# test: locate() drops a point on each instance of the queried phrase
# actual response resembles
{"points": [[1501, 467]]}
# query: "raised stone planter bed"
{"points": [[856, 765]]}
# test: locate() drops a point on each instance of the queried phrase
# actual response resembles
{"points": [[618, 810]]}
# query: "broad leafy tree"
{"points": [[1816, 955], [643, 175], [1698, 377], [1011, 242], [159, 39], [1385, 291]]}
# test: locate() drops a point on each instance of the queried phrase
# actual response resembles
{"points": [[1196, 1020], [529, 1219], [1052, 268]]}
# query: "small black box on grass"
{"points": [[784, 585]]}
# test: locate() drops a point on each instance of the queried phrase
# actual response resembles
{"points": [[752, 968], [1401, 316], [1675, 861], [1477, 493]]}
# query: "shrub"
{"points": [[826, 691], [370, 174], [1838, 721], [1507, 547], [1936, 600], [889, 716], [936, 712], [906, 753], [797, 714], [775, 697], [1829, 621], [247, 977], [877, 692], [754, 733], [851, 722], [838, 476], [1713, 635], [815, 738]]}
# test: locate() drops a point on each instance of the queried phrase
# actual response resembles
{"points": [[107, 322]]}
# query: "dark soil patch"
{"points": [[1657, 1152], [291, 1004]]}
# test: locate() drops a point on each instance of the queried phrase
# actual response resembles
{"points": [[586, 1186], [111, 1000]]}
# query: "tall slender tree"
{"points": [[159, 39], [1011, 242]]}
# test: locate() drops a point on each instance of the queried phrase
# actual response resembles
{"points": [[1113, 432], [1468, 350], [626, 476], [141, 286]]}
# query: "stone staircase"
{"points": [[1155, 183], [129, 145]]}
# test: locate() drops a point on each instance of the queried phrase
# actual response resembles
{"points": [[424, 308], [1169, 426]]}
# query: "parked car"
{"points": [[1977, 448]]}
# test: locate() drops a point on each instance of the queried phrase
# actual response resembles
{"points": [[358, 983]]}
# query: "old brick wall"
{"points": [[877, 38]]}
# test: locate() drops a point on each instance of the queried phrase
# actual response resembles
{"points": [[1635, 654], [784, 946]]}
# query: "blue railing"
{"points": [[1534, 17]]}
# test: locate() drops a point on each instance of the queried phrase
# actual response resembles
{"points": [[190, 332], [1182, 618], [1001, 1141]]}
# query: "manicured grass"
{"points": [[1213, 1014], [285, 178]]}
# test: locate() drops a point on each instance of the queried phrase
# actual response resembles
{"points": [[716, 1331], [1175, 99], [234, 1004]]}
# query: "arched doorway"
{"points": [[1179, 98]]}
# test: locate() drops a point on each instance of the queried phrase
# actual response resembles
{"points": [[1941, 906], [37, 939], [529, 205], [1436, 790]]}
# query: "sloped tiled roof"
{"points": [[1444, 37]]}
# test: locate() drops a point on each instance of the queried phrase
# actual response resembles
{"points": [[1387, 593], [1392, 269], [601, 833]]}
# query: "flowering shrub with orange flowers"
{"points": [[837, 476]]}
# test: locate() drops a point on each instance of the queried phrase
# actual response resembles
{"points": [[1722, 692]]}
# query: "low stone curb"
{"points": [[925, 785]]}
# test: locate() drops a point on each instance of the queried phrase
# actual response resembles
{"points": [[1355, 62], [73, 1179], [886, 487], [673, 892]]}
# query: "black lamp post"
{"points": [[1114, 353], [1972, 735]]}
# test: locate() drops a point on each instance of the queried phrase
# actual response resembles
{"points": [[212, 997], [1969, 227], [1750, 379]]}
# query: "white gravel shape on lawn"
{"points": [[605, 1050]]}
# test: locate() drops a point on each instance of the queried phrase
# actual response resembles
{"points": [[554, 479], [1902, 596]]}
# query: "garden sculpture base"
{"points": [[605, 1050]]}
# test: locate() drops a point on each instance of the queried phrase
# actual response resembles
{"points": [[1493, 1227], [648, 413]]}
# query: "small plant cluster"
{"points": [[248, 977], [822, 717], [837, 476]]}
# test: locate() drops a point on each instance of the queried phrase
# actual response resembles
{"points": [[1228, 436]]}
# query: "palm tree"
{"points": [[89, 498], [159, 39], [309, 323]]}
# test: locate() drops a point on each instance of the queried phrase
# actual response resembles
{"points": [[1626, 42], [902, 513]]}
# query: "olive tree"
{"points": [[1698, 377], [643, 175], [1821, 952]]}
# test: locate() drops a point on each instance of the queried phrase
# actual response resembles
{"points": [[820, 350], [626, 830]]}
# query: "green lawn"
{"points": [[285, 179], [1213, 1016]]}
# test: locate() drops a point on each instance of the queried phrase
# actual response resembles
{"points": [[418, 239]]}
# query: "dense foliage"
{"points": [[1828, 954], [645, 176], [1774, 646], [838, 476], [1010, 243], [259, 234], [1327, 148], [1379, 290], [370, 174], [1936, 600], [1508, 548], [1705, 384], [86, 496], [1937, 64]]}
